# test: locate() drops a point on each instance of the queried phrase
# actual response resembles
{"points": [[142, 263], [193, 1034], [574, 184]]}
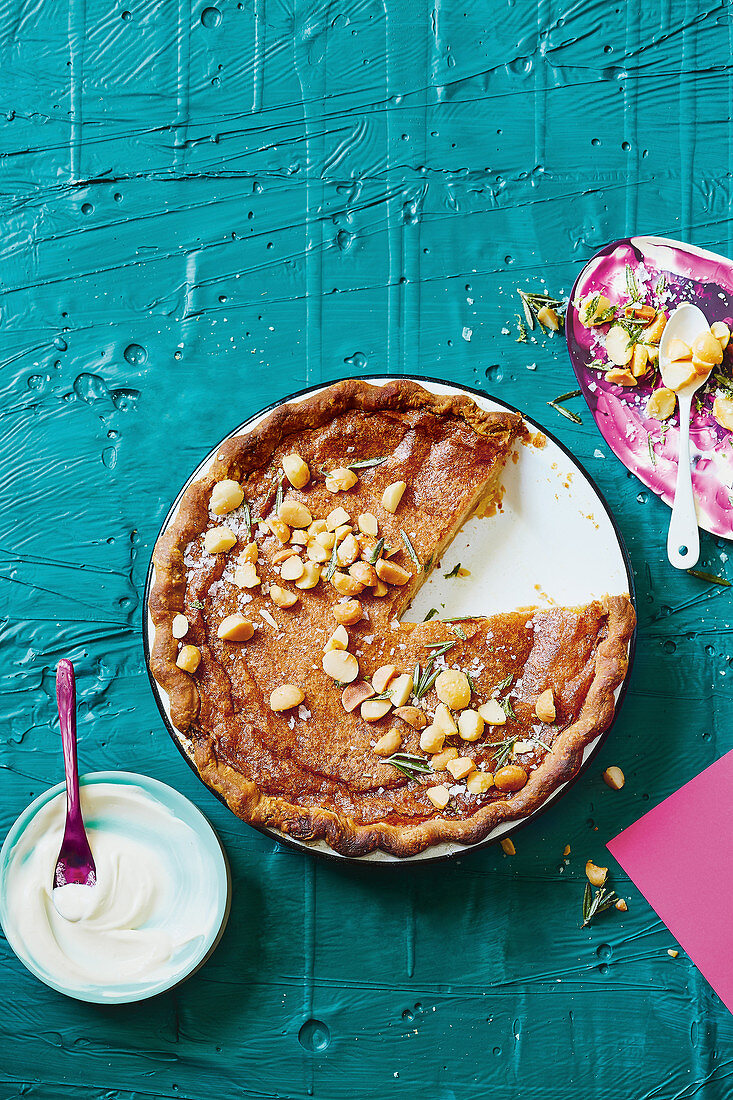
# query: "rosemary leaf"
{"points": [[522, 338], [597, 364], [566, 396], [660, 286], [376, 552], [197, 604], [247, 518], [279, 493], [631, 285], [331, 568], [548, 748], [453, 572], [460, 619], [364, 462], [459, 631], [712, 578], [410, 549], [470, 681], [566, 413], [527, 311], [431, 614], [506, 706], [505, 682], [652, 454], [411, 766], [416, 678]]}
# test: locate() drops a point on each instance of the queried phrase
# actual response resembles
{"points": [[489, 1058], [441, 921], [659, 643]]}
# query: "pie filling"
{"points": [[309, 706]]}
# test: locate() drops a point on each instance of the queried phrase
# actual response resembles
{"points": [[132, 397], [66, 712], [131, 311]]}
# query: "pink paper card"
{"points": [[680, 855]]}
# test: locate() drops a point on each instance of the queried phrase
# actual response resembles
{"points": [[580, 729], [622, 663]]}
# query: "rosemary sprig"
{"points": [[632, 286], [410, 549], [440, 647], [566, 413], [712, 578], [426, 682], [502, 751], [431, 614], [593, 904], [331, 567], [533, 302], [376, 552], [723, 381], [410, 765], [505, 682], [454, 571]]}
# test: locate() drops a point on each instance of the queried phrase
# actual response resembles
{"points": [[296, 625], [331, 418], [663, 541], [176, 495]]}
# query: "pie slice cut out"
{"points": [[305, 702]]}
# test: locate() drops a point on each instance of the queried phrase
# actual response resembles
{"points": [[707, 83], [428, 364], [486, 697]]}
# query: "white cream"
{"points": [[153, 907]]}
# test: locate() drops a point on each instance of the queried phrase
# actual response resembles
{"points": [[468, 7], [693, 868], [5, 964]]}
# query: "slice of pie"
{"points": [[303, 700]]}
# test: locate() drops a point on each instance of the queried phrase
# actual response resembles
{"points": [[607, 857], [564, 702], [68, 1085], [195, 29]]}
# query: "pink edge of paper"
{"points": [[680, 856]]}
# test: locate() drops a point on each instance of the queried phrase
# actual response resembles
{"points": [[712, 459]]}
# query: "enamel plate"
{"points": [[516, 558], [667, 273]]}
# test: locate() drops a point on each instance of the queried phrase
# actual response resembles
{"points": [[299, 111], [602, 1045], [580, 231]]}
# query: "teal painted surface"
{"points": [[203, 210]]}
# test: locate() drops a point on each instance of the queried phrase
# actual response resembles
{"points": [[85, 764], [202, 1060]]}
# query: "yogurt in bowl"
{"points": [[156, 912]]}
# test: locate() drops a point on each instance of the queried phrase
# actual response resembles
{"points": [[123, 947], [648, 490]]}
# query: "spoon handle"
{"points": [[683, 529], [66, 700]]}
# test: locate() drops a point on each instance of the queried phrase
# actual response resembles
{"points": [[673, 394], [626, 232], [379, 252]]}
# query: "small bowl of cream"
{"points": [[157, 910]]}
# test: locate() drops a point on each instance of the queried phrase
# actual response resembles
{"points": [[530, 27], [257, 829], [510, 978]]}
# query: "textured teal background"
{"points": [[203, 209]]}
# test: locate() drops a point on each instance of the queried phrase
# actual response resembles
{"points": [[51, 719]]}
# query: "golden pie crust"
{"points": [[312, 772]]}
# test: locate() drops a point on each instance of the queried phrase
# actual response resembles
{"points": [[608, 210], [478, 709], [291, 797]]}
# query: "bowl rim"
{"points": [[420, 859], [202, 825]]}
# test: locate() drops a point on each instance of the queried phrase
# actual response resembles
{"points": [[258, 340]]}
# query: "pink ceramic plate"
{"points": [[667, 273]]}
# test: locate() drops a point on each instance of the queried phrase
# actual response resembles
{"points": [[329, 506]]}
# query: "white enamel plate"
{"points": [[554, 541]]}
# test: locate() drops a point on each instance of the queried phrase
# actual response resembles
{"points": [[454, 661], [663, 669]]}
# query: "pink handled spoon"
{"points": [[75, 864]]}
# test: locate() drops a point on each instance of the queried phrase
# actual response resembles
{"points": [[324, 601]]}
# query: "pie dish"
{"points": [[397, 773]]}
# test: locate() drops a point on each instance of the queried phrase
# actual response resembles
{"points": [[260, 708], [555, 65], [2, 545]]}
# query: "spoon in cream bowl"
{"points": [[75, 872], [688, 351]]}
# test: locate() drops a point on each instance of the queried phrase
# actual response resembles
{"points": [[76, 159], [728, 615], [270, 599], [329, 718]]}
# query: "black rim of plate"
{"points": [[461, 850]]}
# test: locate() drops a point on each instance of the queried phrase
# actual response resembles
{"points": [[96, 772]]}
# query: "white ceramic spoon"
{"points": [[683, 541]]}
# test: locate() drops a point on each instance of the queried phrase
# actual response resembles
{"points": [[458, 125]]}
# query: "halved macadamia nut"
{"points": [[226, 496], [460, 767], [179, 626], [340, 481], [340, 665], [706, 348], [591, 308], [470, 725], [292, 569], [723, 412], [614, 778], [348, 551], [336, 518], [338, 640], [296, 470], [294, 513], [444, 720], [189, 658], [368, 524], [492, 713], [388, 743], [372, 710], [479, 782], [346, 585], [439, 796], [432, 739], [218, 540], [392, 496], [678, 349], [544, 708], [281, 597], [661, 404], [311, 575], [400, 690], [348, 612], [235, 628], [546, 316], [249, 554], [279, 528], [391, 573], [286, 697], [355, 693], [414, 717], [317, 553], [596, 875], [621, 376], [364, 573], [619, 348], [245, 576], [440, 760], [721, 332], [382, 677]]}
